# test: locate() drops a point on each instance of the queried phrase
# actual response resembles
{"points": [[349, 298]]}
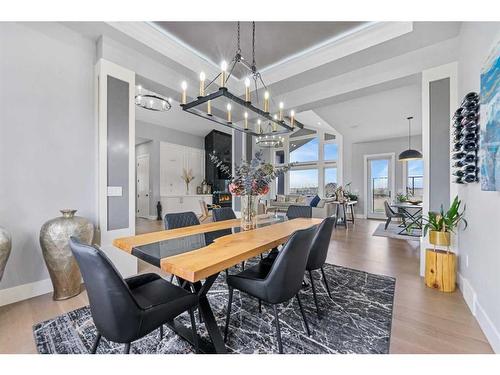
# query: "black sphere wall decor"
{"points": [[465, 133]]}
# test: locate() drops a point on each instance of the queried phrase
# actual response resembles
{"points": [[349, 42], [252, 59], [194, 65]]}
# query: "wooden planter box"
{"points": [[440, 270]]}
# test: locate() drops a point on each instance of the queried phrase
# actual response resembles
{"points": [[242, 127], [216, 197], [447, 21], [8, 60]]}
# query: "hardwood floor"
{"points": [[424, 321]]}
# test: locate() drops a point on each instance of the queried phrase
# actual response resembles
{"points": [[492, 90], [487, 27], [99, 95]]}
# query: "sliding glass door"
{"points": [[380, 177]]}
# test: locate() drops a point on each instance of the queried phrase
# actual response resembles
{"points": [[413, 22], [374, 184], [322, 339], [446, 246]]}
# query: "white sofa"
{"points": [[324, 208]]}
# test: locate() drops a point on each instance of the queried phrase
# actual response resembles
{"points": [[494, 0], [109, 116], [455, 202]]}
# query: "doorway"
{"points": [[142, 182], [379, 183]]}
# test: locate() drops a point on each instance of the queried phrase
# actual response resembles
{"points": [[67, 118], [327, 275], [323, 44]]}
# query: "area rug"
{"points": [[357, 320], [393, 232]]}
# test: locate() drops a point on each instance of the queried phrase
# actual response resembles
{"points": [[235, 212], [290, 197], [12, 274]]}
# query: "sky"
{"points": [[309, 152]]}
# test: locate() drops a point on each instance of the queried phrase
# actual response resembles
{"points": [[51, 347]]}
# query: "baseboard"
{"points": [[152, 217], [490, 331], [25, 291], [359, 216]]}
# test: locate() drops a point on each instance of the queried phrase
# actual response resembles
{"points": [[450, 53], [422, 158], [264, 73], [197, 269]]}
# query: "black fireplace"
{"points": [[222, 198], [221, 144]]}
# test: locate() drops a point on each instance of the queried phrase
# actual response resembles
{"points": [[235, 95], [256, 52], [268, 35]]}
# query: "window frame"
{"points": [[406, 176], [320, 165]]}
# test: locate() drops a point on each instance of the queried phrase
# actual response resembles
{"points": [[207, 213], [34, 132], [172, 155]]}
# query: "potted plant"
{"points": [[440, 266], [187, 176], [440, 225]]}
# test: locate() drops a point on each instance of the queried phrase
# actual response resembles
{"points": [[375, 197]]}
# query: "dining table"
{"points": [[413, 216], [188, 254]]}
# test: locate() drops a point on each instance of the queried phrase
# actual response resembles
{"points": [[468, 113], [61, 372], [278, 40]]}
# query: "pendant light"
{"points": [[409, 154]]}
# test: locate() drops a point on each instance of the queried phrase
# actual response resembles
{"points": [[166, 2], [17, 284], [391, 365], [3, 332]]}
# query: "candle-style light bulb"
{"points": [[202, 83], [228, 107], [259, 129], [184, 88], [266, 101], [245, 116], [247, 90], [292, 118], [281, 106], [223, 72], [275, 126], [139, 89], [209, 107]]}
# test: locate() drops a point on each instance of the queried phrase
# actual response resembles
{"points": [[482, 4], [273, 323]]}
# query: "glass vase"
{"points": [[249, 209]]}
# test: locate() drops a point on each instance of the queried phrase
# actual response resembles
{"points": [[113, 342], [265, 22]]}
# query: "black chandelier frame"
{"points": [[281, 124]]}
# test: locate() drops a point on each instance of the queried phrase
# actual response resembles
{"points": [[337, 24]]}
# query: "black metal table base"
{"points": [[217, 344], [412, 220]]}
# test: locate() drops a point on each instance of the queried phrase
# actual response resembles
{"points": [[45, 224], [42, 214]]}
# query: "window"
{"points": [[304, 150], [304, 181], [279, 157], [330, 180], [331, 151], [415, 180]]}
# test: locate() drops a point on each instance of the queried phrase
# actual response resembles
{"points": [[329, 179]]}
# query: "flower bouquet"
{"points": [[251, 179]]}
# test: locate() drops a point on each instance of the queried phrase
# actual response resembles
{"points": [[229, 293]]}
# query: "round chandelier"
{"points": [[269, 141], [151, 101]]}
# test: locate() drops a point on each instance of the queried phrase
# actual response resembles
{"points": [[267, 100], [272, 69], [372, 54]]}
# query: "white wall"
{"points": [[157, 134], [47, 137], [479, 249], [356, 167]]}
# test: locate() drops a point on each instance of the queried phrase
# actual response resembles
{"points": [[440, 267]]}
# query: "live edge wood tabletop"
{"points": [[223, 253]]}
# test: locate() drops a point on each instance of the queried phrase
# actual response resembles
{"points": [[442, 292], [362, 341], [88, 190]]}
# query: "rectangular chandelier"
{"points": [[241, 115]]}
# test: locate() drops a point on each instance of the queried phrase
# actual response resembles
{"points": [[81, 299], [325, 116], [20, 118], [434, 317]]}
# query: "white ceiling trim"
{"points": [[164, 43], [346, 44], [401, 66]]}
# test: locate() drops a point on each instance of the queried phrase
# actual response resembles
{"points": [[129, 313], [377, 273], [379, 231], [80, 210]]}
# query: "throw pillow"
{"points": [[315, 201]]}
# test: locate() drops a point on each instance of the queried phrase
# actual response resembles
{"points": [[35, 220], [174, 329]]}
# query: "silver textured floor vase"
{"points": [[5, 246], [62, 266]]}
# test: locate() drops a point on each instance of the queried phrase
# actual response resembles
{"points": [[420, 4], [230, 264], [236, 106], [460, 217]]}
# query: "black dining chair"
{"points": [[389, 212], [294, 212], [126, 310], [223, 213], [278, 283], [318, 253], [180, 220]]}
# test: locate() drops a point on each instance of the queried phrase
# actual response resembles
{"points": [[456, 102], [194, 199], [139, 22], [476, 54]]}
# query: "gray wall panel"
{"points": [[439, 171], [118, 152]]}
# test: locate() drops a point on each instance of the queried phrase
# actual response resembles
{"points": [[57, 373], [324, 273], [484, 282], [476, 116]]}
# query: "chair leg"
{"points": [[314, 291], [161, 332], [229, 303], [388, 221], [278, 331], [243, 266], [195, 334], [303, 315], [260, 306], [97, 340], [326, 283], [126, 350], [200, 318]]}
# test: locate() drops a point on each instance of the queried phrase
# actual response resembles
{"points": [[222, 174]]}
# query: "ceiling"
{"points": [[376, 116], [275, 41]]}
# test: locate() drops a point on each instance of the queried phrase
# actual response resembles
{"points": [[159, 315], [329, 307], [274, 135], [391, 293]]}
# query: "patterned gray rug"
{"points": [[358, 320], [393, 230]]}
